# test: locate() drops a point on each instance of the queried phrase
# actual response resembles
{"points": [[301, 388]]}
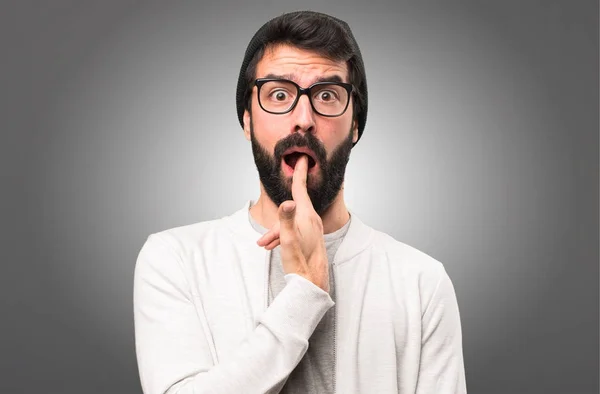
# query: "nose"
{"points": [[304, 116]]}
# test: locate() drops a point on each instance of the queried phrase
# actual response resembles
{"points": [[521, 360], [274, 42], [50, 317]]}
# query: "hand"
{"points": [[300, 233]]}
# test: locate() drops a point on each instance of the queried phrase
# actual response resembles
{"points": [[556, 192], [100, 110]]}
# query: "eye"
{"points": [[326, 96], [279, 95]]}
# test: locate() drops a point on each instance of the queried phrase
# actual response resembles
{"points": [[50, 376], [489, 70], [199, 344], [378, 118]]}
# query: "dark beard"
{"points": [[321, 192]]}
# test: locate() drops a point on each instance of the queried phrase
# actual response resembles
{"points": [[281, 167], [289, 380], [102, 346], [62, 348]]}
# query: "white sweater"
{"points": [[202, 324]]}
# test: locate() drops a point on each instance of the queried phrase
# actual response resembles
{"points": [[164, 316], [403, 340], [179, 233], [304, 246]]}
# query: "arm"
{"points": [[442, 369], [172, 348]]}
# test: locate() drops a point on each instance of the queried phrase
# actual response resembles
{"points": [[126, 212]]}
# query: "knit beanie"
{"points": [[259, 40]]}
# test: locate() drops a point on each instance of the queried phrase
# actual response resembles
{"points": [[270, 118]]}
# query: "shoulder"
{"points": [[386, 252], [177, 240], [412, 268], [184, 245], [207, 234], [398, 252], [169, 259], [407, 264], [190, 236]]}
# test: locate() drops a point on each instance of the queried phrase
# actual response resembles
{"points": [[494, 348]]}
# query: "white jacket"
{"points": [[202, 324]]}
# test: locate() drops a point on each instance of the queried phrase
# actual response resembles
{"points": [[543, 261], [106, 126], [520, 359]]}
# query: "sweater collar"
{"points": [[357, 239]]}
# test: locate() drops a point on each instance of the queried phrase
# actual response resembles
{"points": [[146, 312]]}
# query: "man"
{"points": [[293, 293]]}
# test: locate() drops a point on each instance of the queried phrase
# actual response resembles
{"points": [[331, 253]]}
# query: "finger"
{"points": [[269, 236], [287, 212], [267, 239], [291, 254], [299, 189], [287, 222], [273, 244]]}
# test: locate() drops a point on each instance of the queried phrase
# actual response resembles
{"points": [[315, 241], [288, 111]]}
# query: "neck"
{"points": [[265, 212]]}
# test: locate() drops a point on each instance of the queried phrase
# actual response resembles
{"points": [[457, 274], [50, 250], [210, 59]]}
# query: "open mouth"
{"points": [[292, 158]]}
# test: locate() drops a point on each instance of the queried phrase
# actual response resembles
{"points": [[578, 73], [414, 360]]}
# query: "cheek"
{"points": [[266, 131], [333, 133]]}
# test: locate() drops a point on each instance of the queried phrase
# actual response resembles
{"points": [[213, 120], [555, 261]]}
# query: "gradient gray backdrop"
{"points": [[481, 149]]}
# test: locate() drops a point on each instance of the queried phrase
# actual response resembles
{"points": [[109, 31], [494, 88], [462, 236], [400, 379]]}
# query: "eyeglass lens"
{"points": [[280, 96]]}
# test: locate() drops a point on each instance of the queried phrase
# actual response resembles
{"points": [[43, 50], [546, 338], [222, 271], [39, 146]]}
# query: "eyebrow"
{"points": [[290, 77]]}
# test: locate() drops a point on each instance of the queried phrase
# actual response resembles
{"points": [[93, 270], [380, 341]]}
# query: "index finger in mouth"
{"points": [[299, 188]]}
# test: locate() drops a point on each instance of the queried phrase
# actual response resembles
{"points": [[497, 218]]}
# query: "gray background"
{"points": [[481, 149]]}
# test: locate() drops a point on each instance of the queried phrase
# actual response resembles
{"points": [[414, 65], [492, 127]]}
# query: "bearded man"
{"points": [[293, 293]]}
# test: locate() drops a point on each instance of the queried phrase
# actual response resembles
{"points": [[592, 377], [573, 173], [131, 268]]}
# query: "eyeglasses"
{"points": [[280, 96]]}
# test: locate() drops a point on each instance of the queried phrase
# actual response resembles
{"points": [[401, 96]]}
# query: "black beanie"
{"points": [[260, 40]]}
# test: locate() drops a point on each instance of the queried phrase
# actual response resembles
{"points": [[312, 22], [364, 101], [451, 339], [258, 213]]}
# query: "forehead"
{"points": [[302, 66]]}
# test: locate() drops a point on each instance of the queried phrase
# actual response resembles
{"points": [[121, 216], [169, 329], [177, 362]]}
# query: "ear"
{"points": [[355, 131], [247, 121]]}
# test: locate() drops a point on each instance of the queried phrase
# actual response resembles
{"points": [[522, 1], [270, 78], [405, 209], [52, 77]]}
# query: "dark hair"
{"points": [[309, 30]]}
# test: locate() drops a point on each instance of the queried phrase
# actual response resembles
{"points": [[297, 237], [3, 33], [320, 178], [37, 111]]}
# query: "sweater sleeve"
{"points": [[172, 347], [441, 369]]}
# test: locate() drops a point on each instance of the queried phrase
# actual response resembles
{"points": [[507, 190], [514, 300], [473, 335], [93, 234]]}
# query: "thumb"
{"points": [[288, 239], [287, 212]]}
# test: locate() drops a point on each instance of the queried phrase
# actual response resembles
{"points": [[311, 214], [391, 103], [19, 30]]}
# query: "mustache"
{"points": [[297, 140]]}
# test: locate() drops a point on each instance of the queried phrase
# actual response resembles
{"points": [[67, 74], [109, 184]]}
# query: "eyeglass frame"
{"points": [[259, 82]]}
